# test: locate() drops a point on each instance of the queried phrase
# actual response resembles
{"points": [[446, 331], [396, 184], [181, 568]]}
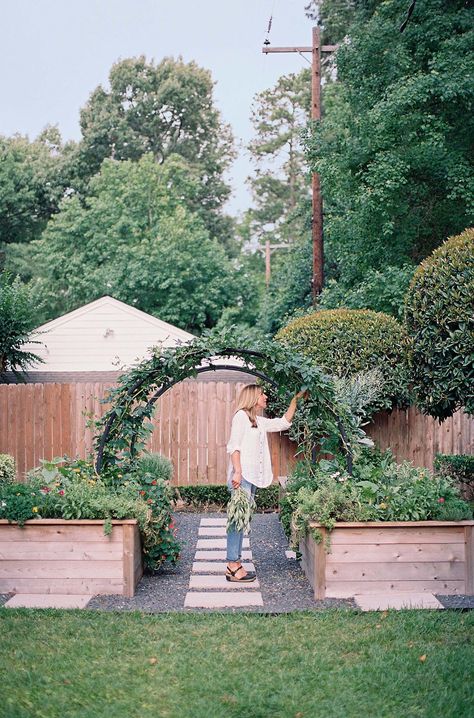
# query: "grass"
{"points": [[302, 665]]}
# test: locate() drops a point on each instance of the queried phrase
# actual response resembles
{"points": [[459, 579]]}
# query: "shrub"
{"points": [[348, 342], [201, 498], [440, 321], [460, 468], [7, 468]]}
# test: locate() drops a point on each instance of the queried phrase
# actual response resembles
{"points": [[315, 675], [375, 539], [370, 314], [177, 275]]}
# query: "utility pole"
{"points": [[317, 220], [268, 253]]}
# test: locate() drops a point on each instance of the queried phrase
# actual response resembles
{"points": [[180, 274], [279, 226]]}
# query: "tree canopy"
{"points": [[134, 239], [160, 109], [395, 152]]}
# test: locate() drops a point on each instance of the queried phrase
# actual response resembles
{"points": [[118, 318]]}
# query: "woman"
{"points": [[250, 464]]}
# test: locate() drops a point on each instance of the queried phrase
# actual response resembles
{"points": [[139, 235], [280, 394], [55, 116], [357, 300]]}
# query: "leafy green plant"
{"points": [[71, 489], [440, 321], [379, 490], [239, 511], [20, 502], [16, 324], [460, 468], [7, 468], [346, 343]]}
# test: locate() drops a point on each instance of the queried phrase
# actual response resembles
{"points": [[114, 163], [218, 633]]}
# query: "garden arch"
{"points": [[124, 428]]}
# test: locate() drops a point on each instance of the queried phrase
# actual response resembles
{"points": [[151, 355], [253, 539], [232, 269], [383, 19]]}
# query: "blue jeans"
{"points": [[236, 538]]}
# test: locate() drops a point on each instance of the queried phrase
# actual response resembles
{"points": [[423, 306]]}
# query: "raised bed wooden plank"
{"points": [[58, 569], [442, 571], [410, 535], [59, 585], [60, 550], [395, 553]]}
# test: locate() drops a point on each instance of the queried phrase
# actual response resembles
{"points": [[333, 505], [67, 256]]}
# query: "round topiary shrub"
{"points": [[439, 313], [347, 342]]}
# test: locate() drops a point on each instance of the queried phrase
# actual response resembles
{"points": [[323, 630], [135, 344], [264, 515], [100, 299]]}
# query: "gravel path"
{"points": [[283, 584], [284, 587]]}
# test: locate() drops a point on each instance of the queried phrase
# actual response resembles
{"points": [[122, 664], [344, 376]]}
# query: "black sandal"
{"points": [[248, 578]]}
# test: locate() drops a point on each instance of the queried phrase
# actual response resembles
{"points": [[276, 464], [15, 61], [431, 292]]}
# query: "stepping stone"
{"points": [[219, 582], [213, 522], [218, 543], [212, 531], [290, 554], [222, 599], [218, 555], [216, 566], [383, 602], [47, 600]]}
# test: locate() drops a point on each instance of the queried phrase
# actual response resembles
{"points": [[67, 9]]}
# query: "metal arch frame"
{"points": [[164, 388]]}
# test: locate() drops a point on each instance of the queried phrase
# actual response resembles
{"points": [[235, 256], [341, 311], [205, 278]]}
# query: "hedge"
{"points": [[439, 315], [200, 497], [346, 342]]}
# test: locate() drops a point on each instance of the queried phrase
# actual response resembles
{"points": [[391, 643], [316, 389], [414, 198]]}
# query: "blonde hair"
{"points": [[247, 401]]}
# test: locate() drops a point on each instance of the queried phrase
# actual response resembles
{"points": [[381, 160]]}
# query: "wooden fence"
{"points": [[419, 438], [192, 421]]}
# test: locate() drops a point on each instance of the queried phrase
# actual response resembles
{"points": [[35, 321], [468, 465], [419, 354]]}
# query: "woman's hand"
{"points": [[302, 395], [236, 479]]}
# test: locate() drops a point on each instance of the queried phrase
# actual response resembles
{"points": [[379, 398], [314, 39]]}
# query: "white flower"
{"points": [[343, 478], [335, 475], [4, 503]]}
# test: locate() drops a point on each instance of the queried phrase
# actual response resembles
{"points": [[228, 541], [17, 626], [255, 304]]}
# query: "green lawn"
{"points": [[300, 665]]}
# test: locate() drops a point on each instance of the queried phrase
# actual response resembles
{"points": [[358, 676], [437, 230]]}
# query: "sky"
{"points": [[54, 53]]}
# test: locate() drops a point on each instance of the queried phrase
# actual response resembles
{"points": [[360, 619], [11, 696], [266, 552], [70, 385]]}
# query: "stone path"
{"points": [[208, 572]]}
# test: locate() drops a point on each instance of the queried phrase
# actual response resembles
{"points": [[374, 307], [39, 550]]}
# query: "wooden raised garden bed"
{"points": [[72, 557], [391, 557]]}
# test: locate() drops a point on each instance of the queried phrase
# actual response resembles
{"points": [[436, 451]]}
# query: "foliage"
{"points": [[153, 474], [280, 182], [16, 324], [20, 502], [381, 290], [201, 497], [460, 467], [379, 490], [32, 183], [347, 342], [71, 489], [7, 468], [334, 16], [124, 428], [134, 239], [290, 284], [162, 109], [440, 321], [395, 151], [239, 511]]}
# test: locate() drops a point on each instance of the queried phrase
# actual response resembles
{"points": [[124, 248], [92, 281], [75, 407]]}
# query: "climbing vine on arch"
{"points": [[125, 428]]}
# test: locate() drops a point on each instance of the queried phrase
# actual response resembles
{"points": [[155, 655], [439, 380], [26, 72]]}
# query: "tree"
{"points": [[32, 183], [134, 239], [281, 181], [16, 324], [440, 322], [395, 153], [162, 110]]}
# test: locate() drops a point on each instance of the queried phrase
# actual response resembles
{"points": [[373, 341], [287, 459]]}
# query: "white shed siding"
{"points": [[104, 335]]}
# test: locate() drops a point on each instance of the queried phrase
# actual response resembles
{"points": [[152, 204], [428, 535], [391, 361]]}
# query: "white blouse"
{"points": [[252, 442]]}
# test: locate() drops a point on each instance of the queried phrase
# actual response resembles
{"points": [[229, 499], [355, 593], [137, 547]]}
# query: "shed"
{"points": [[97, 341]]}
